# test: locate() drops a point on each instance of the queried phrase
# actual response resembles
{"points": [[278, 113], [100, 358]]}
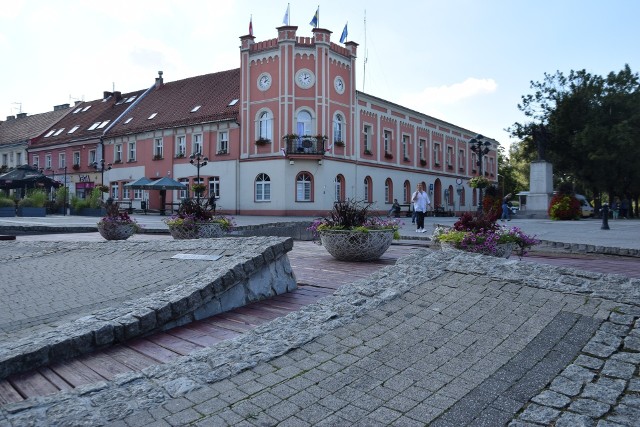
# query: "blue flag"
{"points": [[345, 33], [316, 19]]}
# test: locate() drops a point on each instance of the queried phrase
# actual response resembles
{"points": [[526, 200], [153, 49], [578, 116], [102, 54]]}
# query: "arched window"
{"points": [[388, 191], [303, 123], [338, 124], [407, 191], [265, 126], [338, 184], [263, 188], [462, 197], [303, 187], [368, 189], [475, 198]]}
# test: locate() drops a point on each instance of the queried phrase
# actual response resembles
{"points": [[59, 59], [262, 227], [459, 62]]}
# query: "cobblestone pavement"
{"points": [[444, 339]]}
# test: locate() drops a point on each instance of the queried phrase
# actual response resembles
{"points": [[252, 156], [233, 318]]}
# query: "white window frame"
{"points": [[132, 151], [405, 147], [303, 187], [421, 146], [126, 195], [338, 128], [138, 193], [62, 160], [214, 186], [436, 154], [387, 141], [115, 193], [449, 156], [223, 142], [197, 144], [181, 145], [367, 137], [47, 161], [158, 148], [36, 162], [117, 153], [304, 126], [262, 188], [461, 159], [76, 158], [265, 125], [92, 157], [183, 193]]}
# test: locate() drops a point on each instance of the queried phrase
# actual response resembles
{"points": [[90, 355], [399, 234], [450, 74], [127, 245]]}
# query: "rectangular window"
{"points": [[450, 157], [214, 186], [36, 162], [184, 193], [367, 138], [132, 152], [421, 146], [158, 148], [137, 193], [387, 141], [223, 142], [405, 147], [436, 154], [47, 161], [125, 193], [263, 191], [114, 191], [5, 160], [181, 146], [92, 157], [474, 162], [197, 143], [303, 191], [117, 153], [461, 159], [18, 159], [62, 160], [76, 158]]}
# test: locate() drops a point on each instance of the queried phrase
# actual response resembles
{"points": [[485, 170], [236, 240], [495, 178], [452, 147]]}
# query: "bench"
{"points": [[439, 211], [125, 206], [409, 211]]}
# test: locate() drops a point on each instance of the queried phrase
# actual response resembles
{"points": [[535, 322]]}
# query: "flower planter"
{"points": [[112, 231], [347, 245], [32, 211], [7, 212], [196, 231]]}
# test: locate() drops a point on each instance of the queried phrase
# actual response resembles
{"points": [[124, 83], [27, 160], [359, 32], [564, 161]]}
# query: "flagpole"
{"points": [[366, 54]]}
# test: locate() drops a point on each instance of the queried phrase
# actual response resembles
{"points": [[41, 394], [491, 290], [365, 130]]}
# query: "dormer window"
{"points": [[77, 110], [58, 132], [196, 108], [128, 120], [93, 126], [131, 99], [73, 129], [152, 116], [86, 108], [50, 133], [234, 102], [103, 124]]}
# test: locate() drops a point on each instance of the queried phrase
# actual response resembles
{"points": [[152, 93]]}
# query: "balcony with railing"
{"points": [[305, 145]]}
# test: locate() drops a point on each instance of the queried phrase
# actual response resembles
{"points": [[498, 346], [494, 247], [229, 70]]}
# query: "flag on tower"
{"points": [[345, 33], [285, 20], [251, 26], [316, 19]]}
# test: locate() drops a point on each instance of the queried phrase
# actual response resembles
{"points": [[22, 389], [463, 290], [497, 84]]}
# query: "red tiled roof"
{"points": [[173, 102], [23, 129], [84, 115]]}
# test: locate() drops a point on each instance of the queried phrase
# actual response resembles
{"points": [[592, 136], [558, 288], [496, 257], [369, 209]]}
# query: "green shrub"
{"points": [[38, 197], [95, 198], [27, 203], [62, 194], [6, 202]]}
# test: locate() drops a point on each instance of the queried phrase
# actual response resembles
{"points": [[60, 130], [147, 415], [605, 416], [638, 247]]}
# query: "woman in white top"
{"points": [[420, 200]]}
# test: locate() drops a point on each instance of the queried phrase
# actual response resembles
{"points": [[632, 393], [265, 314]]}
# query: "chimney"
{"points": [[9, 118], [118, 95], [21, 115], [60, 107], [77, 103], [159, 80]]}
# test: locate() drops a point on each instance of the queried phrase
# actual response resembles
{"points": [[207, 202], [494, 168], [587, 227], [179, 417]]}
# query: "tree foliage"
{"points": [[593, 128]]}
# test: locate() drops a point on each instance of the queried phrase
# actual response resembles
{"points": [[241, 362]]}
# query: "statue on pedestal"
{"points": [[541, 139]]}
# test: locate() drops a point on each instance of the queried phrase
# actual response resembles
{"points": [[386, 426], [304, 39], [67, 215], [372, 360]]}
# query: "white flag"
{"points": [[285, 20]]}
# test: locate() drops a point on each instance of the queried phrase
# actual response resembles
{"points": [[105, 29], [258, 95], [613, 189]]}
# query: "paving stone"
{"points": [[589, 362], [551, 398], [539, 414], [601, 393], [626, 415], [589, 407], [578, 374], [598, 349], [617, 369], [568, 419], [621, 319]]}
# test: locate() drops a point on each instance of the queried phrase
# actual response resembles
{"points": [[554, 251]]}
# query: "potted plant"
{"points": [[338, 143], [263, 141], [194, 221], [478, 182], [198, 188], [367, 152], [388, 155], [116, 225], [350, 234], [481, 234], [7, 206], [62, 197], [157, 157], [423, 162], [33, 204]]}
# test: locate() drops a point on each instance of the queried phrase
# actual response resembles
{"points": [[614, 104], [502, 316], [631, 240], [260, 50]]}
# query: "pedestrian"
{"points": [[420, 200], [395, 209], [506, 208], [624, 207], [615, 208]]}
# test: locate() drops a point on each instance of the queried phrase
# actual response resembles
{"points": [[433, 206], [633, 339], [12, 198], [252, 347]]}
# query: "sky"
{"points": [[467, 62]]}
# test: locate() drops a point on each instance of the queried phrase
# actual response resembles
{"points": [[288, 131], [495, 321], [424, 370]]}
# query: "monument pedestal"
{"points": [[540, 189]]}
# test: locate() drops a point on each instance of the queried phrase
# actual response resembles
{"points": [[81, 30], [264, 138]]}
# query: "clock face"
{"points": [[305, 78], [264, 81], [338, 83]]}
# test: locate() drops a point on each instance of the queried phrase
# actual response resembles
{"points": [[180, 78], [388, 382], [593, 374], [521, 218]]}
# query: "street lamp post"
{"points": [[198, 161], [101, 167], [66, 190], [480, 146]]}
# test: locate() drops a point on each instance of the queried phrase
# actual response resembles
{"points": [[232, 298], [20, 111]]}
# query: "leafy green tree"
{"points": [[592, 129]]}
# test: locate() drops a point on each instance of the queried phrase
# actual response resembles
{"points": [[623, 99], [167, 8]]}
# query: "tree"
{"points": [[593, 129]]}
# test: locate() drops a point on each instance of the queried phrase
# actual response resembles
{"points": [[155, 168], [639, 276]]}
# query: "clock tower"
{"points": [[296, 85]]}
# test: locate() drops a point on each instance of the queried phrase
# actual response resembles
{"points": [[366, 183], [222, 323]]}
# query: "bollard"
{"points": [[605, 217]]}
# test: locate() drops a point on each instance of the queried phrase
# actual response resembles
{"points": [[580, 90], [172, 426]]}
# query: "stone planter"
{"points": [[346, 245], [7, 212], [117, 231], [196, 231], [502, 251], [32, 211]]}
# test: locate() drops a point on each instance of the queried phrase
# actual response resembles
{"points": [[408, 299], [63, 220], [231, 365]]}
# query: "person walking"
{"points": [[506, 209], [420, 200], [615, 208]]}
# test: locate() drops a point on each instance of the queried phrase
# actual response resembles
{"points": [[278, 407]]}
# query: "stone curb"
{"points": [[205, 294]]}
